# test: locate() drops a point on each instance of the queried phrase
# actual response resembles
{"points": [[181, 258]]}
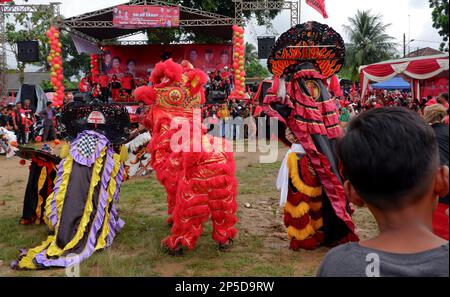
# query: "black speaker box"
{"points": [[265, 45], [28, 51]]}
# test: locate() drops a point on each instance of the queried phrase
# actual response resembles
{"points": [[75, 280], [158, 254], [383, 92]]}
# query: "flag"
{"points": [[318, 5], [4, 1]]}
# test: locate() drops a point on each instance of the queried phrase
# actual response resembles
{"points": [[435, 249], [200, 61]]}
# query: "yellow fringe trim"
{"points": [[64, 152], [315, 206], [123, 153], [297, 211], [27, 261], [53, 249], [61, 193], [292, 163], [47, 220], [101, 243], [317, 224], [41, 181], [300, 234]]}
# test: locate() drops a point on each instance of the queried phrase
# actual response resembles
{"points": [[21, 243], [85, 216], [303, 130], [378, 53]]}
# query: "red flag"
{"points": [[318, 5], [4, 1]]}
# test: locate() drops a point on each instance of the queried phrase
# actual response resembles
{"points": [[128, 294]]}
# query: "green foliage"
{"points": [[440, 20], [252, 66], [68, 85], [33, 26], [369, 42], [223, 7]]}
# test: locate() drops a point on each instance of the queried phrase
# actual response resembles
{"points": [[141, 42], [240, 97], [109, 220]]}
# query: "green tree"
{"points": [[28, 27], [33, 26], [252, 66], [369, 42], [440, 20], [223, 7]]}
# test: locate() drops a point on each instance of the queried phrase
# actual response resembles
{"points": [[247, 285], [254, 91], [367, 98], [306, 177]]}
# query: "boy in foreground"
{"points": [[390, 159]]}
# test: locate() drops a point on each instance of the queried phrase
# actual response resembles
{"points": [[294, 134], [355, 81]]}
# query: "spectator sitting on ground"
{"points": [[400, 180]]}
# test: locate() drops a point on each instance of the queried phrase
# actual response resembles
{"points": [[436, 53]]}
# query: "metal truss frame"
{"points": [[6, 9], [293, 6]]}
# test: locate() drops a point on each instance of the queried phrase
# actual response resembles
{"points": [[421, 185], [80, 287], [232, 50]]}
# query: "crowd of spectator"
{"points": [[30, 126], [111, 88], [219, 81], [350, 106], [232, 119]]}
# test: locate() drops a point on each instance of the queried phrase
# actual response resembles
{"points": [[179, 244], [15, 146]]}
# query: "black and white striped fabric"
{"points": [[87, 145]]}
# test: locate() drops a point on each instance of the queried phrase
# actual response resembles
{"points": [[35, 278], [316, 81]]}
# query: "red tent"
{"points": [[428, 75]]}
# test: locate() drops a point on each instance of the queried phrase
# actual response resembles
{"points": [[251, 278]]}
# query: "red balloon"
{"points": [[60, 77]]}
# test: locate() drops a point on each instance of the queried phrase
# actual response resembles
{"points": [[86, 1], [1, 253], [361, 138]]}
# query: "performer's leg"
{"points": [[223, 214], [190, 212], [298, 222], [315, 213]]}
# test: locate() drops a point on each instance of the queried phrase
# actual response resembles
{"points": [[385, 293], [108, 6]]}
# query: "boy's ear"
{"points": [[352, 195], [441, 186]]}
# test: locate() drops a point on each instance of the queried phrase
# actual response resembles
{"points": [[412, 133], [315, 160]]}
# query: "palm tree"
{"points": [[369, 42], [250, 52]]}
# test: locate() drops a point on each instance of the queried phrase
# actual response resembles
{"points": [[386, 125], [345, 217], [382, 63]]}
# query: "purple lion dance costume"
{"points": [[81, 211]]}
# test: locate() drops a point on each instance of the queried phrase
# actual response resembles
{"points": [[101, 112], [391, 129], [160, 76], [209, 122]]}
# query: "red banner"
{"points": [[434, 86], [145, 16], [139, 60], [4, 1], [318, 5]]}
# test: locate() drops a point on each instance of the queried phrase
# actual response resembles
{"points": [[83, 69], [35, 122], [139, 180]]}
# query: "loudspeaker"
{"points": [[265, 45], [29, 92], [28, 51]]}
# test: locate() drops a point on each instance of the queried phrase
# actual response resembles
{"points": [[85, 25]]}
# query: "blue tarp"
{"points": [[396, 83]]}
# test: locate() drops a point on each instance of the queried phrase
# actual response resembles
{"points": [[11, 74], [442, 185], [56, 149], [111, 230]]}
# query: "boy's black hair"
{"points": [[389, 155]]}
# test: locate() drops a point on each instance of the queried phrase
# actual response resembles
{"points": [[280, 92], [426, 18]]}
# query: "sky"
{"points": [[412, 17]]}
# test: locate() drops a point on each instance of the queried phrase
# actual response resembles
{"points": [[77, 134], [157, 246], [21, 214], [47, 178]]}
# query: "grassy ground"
{"points": [[261, 248]]}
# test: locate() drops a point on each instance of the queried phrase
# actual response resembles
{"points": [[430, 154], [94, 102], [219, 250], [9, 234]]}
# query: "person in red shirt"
{"points": [[96, 92], [103, 81], [115, 88], [85, 85], [127, 83], [116, 68], [224, 61]]}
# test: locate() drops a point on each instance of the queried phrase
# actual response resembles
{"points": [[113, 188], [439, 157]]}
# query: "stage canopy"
{"points": [[98, 26], [416, 70], [396, 83]]}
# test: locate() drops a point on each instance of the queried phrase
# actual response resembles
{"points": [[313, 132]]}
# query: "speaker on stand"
{"points": [[265, 44], [28, 51]]}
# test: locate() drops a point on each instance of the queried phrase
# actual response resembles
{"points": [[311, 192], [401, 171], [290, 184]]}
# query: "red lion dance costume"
{"points": [[199, 184], [316, 210]]}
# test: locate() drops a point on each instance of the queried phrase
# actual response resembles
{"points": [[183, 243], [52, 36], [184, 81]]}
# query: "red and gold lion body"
{"points": [[199, 183]]}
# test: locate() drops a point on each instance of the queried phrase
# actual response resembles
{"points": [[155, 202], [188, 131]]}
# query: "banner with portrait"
{"points": [[139, 60], [145, 16]]}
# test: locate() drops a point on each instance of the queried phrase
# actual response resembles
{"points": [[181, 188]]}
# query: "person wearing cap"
{"points": [[17, 120]]}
